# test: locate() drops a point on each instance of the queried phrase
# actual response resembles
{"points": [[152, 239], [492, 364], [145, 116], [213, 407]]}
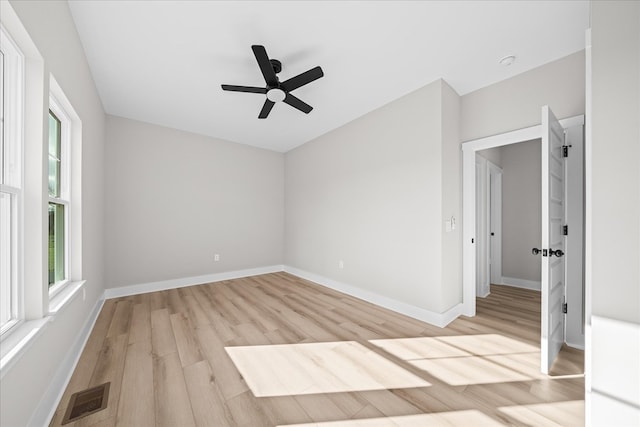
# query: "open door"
{"points": [[553, 248]]}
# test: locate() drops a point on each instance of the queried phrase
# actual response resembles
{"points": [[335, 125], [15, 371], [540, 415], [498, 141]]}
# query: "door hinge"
{"points": [[564, 308], [565, 230], [565, 150]]}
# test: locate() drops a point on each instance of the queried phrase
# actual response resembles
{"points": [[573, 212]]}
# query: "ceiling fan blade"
{"points": [[297, 103], [248, 89], [302, 79], [266, 109], [265, 65]]}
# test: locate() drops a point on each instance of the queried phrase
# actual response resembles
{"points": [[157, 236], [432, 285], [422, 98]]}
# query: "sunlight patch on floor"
{"points": [[455, 418], [468, 359], [569, 413], [329, 367]]}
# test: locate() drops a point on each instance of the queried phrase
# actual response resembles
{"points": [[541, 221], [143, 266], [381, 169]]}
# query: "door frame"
{"points": [[469, 149]]}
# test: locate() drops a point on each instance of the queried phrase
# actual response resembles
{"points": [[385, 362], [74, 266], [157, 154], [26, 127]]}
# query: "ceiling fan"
{"points": [[275, 90]]}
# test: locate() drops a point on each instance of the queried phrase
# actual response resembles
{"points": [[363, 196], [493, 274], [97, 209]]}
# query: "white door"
{"points": [[553, 220], [495, 222], [482, 287]]}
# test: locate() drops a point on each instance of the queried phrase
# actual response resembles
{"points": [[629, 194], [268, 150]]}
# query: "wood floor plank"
{"points": [[136, 406], [225, 372], [162, 338], [247, 412], [121, 318], [320, 408], [140, 323], [172, 404], [207, 402], [186, 340], [194, 309]]}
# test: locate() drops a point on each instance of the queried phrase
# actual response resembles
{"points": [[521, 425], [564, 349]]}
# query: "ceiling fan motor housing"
{"points": [[277, 65]]}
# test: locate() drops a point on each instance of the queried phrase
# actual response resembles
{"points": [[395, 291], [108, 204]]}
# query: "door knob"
{"points": [[537, 251], [557, 252]]}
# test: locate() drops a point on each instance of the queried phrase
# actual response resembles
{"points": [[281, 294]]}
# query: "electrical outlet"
{"points": [[340, 264], [216, 257]]}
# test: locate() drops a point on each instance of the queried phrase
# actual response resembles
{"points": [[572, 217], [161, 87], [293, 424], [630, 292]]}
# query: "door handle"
{"points": [[537, 251], [557, 252]]}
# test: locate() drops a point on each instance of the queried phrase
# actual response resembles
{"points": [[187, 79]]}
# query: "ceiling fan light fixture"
{"points": [[276, 95]]}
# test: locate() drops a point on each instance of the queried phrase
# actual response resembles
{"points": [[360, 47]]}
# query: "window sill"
{"points": [[65, 296], [23, 335]]}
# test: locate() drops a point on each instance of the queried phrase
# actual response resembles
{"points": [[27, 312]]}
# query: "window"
{"points": [[59, 197], [11, 94]]}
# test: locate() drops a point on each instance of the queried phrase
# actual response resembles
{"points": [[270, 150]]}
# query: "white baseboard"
{"points": [[438, 319], [484, 295], [50, 400], [521, 283], [578, 346], [164, 285]]}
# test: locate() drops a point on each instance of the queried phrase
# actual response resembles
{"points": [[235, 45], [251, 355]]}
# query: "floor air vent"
{"points": [[87, 402]]}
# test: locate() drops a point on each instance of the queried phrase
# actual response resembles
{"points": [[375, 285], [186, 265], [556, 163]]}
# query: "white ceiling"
{"points": [[163, 61]]}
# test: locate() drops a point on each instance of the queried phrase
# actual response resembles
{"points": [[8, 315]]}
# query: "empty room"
{"points": [[319, 213]]}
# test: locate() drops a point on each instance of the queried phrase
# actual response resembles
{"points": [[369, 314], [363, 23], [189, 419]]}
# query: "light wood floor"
{"points": [[168, 356]]}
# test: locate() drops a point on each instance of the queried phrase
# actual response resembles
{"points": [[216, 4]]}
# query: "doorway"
{"points": [[574, 288]]}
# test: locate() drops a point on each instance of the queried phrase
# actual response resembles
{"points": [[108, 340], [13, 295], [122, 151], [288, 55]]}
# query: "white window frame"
{"points": [[65, 189], [11, 151]]}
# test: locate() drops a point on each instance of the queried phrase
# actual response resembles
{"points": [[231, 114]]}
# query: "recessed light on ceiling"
{"points": [[507, 60]]}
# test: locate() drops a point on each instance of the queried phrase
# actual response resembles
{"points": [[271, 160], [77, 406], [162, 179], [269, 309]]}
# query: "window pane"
{"points": [[6, 287], [56, 243], [54, 155]]}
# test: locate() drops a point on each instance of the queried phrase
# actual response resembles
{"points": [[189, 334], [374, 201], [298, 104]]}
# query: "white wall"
{"points": [[51, 28], [451, 199], [521, 207], [515, 103], [616, 150], [613, 251], [370, 194], [174, 199]]}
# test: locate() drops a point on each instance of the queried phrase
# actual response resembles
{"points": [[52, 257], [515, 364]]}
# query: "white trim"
{"points": [[588, 224], [12, 156], [164, 285], [64, 297], [484, 295], [437, 319], [49, 402], [19, 341], [578, 346], [61, 108], [520, 135], [520, 283], [23, 335]]}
